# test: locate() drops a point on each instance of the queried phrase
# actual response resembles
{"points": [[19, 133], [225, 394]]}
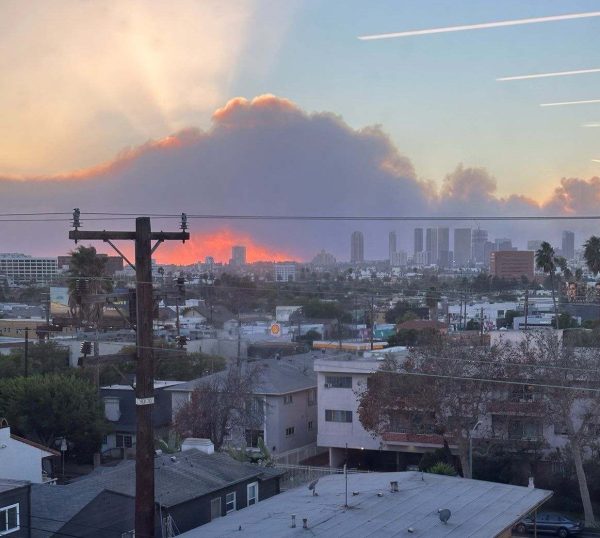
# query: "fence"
{"points": [[298, 475], [298, 455]]}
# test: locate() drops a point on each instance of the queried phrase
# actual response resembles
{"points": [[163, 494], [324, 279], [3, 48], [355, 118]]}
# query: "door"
{"points": [[215, 508]]}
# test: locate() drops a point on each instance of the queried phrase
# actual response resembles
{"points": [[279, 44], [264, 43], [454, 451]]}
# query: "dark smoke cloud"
{"points": [[267, 156]]}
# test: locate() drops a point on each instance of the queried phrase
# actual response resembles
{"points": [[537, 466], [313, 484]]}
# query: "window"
{"points": [[518, 429], [560, 428], [338, 382], [312, 397], [124, 440], [334, 415], [287, 399], [9, 519], [230, 502], [252, 490], [112, 410], [310, 425], [289, 431], [252, 437]]}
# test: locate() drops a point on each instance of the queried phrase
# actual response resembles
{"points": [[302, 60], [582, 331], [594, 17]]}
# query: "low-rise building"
{"points": [[512, 264], [191, 489], [15, 511], [22, 459], [385, 504]]}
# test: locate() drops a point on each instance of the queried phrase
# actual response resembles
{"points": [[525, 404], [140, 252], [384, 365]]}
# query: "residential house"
{"points": [[385, 504], [15, 513], [119, 410], [22, 459], [191, 489], [286, 394]]}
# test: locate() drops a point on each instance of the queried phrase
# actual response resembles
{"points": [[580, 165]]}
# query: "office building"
{"points": [[357, 248], [503, 244], [568, 245], [23, 269], [462, 247], [285, 272], [512, 264], [418, 240], [400, 259], [534, 244], [431, 245], [238, 256], [479, 239], [444, 257], [324, 259], [392, 247]]}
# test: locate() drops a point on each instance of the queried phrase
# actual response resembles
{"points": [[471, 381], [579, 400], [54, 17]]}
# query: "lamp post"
{"points": [[63, 449], [471, 448]]}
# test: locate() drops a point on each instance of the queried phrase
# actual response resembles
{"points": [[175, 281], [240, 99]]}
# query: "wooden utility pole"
{"points": [[144, 386], [526, 306]]}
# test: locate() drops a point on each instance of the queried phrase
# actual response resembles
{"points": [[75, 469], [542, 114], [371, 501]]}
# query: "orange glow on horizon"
{"points": [[218, 245]]}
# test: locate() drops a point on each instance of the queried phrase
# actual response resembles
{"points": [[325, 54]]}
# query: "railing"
{"points": [[298, 475]]}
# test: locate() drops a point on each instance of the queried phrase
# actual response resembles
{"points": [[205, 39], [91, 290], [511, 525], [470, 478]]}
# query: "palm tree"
{"points": [[545, 259], [87, 272]]}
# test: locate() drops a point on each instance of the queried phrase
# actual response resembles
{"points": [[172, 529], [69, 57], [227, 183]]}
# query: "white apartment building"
{"points": [[285, 272], [20, 268], [514, 415]]}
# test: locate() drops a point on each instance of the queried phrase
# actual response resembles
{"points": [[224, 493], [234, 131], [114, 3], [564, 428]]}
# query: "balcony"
{"points": [[516, 409], [406, 439]]}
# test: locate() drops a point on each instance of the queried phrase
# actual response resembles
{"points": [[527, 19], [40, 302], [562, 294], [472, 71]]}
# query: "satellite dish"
{"points": [[444, 515], [313, 486]]}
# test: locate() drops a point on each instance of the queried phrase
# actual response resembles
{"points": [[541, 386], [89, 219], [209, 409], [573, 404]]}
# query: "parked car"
{"points": [[549, 523]]}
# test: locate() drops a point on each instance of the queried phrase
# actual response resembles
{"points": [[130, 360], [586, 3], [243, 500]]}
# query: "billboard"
{"points": [[59, 301]]}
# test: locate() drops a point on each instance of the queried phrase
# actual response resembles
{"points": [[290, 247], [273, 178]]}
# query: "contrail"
{"points": [[596, 160], [546, 75], [565, 103], [498, 24], [595, 124]]}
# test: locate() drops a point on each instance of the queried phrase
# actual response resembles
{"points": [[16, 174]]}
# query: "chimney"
{"points": [[293, 521], [203, 445], [305, 523], [394, 486]]}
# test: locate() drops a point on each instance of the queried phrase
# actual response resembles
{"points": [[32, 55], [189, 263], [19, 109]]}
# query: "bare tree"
{"points": [[567, 375], [223, 402], [437, 389]]}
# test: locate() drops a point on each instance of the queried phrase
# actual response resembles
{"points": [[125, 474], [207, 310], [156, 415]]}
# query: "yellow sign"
{"points": [[275, 329]]}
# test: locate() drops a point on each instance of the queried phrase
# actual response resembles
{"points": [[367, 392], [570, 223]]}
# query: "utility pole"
{"points": [[481, 325], [144, 387], [526, 306], [372, 320], [26, 357]]}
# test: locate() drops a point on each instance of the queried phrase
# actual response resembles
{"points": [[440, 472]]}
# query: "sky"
{"points": [[95, 94]]}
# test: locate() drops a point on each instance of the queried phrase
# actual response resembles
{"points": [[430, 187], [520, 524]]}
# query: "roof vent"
{"points": [[394, 486], [444, 514]]}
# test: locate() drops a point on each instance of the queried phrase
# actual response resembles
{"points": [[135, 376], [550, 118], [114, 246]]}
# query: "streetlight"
{"points": [[63, 449], [471, 448]]}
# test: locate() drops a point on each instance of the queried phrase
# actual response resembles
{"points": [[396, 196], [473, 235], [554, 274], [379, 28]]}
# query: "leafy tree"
{"points": [[546, 260], [442, 468], [88, 277], [401, 311], [46, 408], [44, 358]]}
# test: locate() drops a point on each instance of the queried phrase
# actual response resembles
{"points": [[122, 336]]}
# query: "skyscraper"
{"points": [[534, 244], [431, 245], [462, 246], [479, 240], [503, 244], [357, 248], [392, 247], [238, 255], [443, 256], [568, 245], [418, 240]]}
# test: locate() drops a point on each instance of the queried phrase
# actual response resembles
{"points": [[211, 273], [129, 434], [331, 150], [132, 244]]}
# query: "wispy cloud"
{"points": [[547, 75], [481, 26], [592, 124], [568, 103]]}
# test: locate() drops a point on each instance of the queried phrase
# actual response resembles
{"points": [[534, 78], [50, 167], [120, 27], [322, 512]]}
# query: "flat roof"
{"points": [[158, 384], [6, 484], [478, 509]]}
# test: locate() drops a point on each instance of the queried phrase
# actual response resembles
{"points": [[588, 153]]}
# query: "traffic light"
{"points": [[181, 286], [85, 348]]}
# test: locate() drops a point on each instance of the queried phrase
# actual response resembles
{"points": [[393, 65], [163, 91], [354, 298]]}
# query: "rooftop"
{"points": [[157, 385], [8, 485], [478, 509]]}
